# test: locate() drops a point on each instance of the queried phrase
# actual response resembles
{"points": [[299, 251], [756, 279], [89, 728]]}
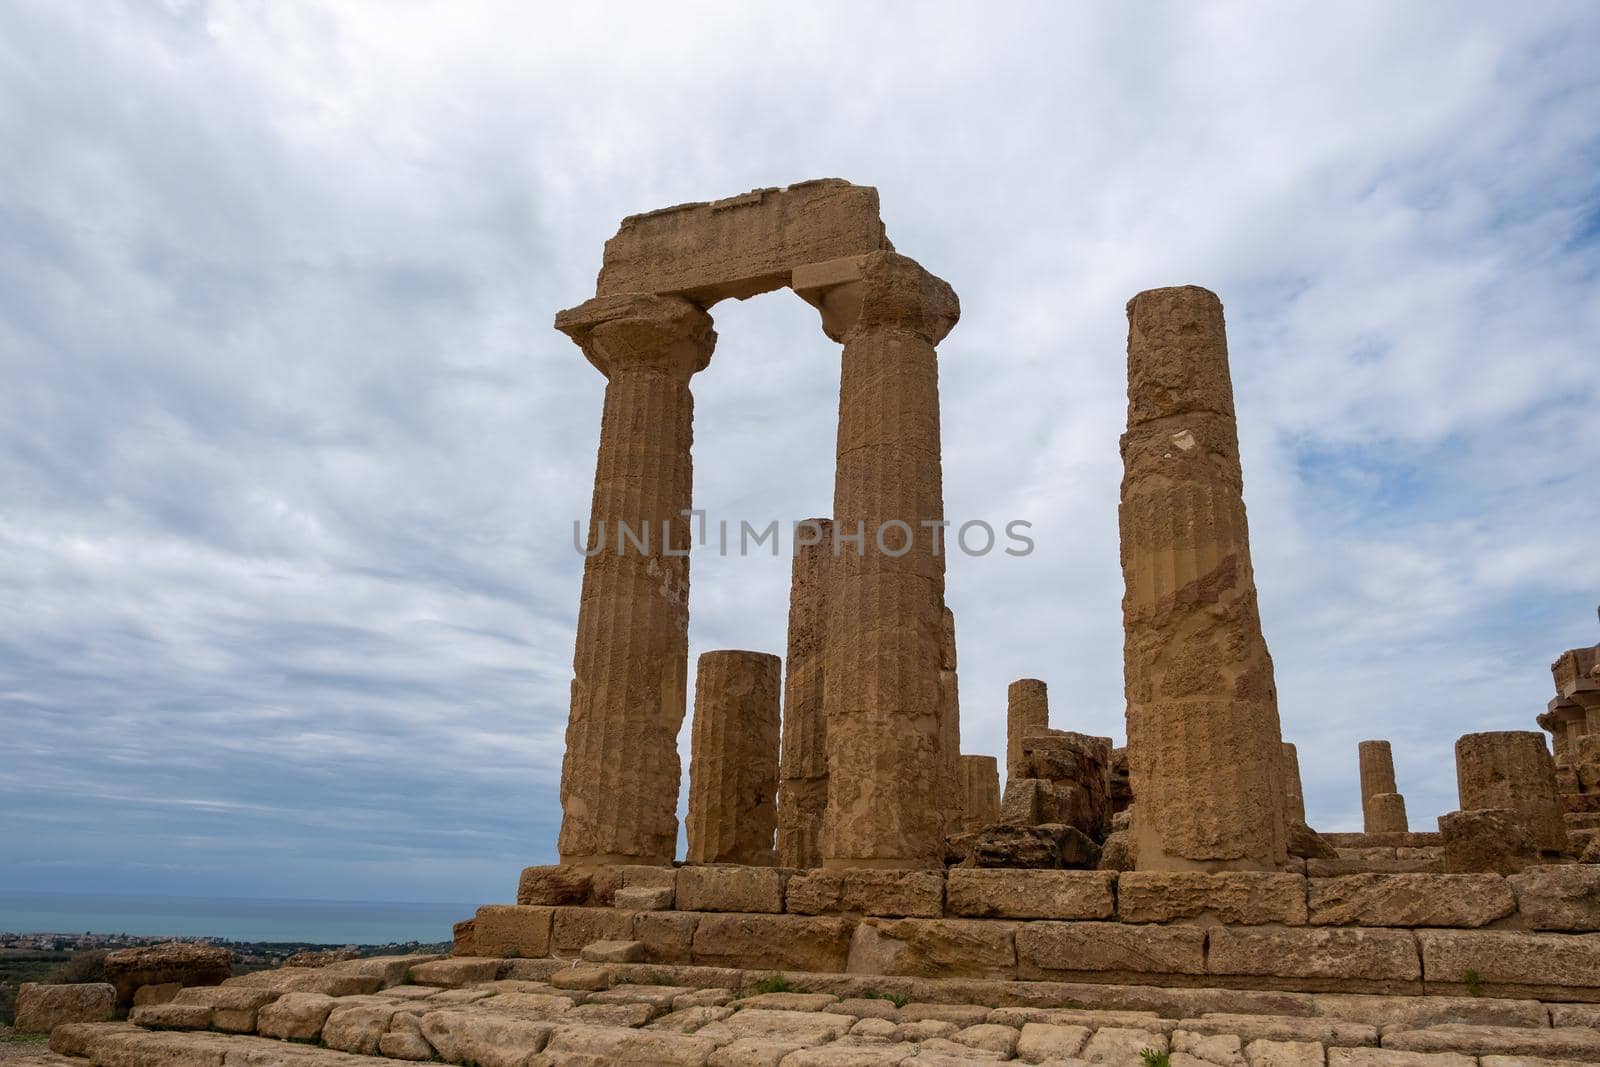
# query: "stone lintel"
{"points": [[742, 245]]}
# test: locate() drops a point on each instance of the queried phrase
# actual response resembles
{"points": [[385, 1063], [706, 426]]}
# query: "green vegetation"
{"points": [[1152, 1058], [897, 999], [1474, 983], [773, 983]]}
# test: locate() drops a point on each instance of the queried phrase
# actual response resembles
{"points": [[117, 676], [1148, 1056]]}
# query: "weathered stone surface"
{"points": [[1048, 846], [1315, 958], [457, 972], [1115, 854], [620, 775], [644, 898], [1027, 710], [155, 994], [592, 976], [1267, 1053], [233, 1008], [1123, 1045], [867, 891], [1108, 951], [555, 884], [885, 613], [1376, 763], [773, 941], [987, 1037], [187, 963], [405, 1045], [934, 948], [295, 1016], [1512, 963], [1294, 808], [1512, 769], [1465, 900], [1024, 801], [1039, 1042], [776, 1024], [789, 1001], [742, 245], [484, 1038], [512, 930], [733, 767], [803, 766], [1023, 894], [1563, 897], [41, 1007], [329, 980], [613, 952], [389, 970], [668, 936], [1579, 1044], [688, 1020], [357, 1028], [757, 889], [572, 928], [1077, 770], [170, 1016], [610, 1014], [1224, 1050], [1205, 753], [1238, 897], [1384, 1011], [1282, 1028], [1306, 843], [751, 1052], [981, 782], [1387, 813], [844, 1054], [1489, 840], [1373, 1057]]}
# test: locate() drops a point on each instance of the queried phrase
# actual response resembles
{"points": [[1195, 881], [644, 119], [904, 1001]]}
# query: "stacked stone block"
{"points": [[733, 770]]}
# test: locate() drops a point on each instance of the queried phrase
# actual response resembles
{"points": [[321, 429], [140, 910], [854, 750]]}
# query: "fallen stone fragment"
{"points": [[41, 1007], [295, 1016]]}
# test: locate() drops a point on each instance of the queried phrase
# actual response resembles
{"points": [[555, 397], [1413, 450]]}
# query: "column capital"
{"points": [[878, 289], [641, 330]]}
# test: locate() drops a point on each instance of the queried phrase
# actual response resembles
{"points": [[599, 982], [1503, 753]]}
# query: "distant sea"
{"points": [[327, 922]]}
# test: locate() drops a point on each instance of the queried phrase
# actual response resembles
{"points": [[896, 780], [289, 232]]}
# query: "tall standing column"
{"points": [[1027, 709], [885, 617], [620, 776], [952, 784], [981, 781], [803, 768], [1294, 794], [733, 765], [1205, 752]]}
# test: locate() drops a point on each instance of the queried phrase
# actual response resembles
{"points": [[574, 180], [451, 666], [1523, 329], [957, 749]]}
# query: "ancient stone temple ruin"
{"points": [[859, 891]]}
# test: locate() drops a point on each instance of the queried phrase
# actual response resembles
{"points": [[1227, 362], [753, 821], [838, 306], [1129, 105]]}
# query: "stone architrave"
{"points": [[621, 775], [1512, 769], [981, 776], [1294, 795], [1027, 710], [1205, 752], [803, 768], [1376, 763], [733, 766], [886, 608]]}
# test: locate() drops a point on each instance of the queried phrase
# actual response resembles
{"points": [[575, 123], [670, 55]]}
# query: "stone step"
{"points": [[522, 1021]]}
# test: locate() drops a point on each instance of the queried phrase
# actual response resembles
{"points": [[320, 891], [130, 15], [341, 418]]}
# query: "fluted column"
{"points": [[1383, 809], [803, 767], [1027, 710], [733, 765], [952, 784], [885, 616], [981, 779], [1204, 748], [620, 776]]}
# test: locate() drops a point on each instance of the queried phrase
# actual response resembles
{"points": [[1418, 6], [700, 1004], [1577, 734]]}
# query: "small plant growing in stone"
{"points": [[1152, 1058], [1474, 983], [897, 999], [773, 983]]}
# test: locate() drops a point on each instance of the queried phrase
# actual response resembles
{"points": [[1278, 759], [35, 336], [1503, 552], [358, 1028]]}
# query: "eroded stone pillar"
{"points": [[733, 767], [1376, 763], [803, 771], [1205, 753], [1294, 796], [981, 781], [951, 783], [620, 775], [1512, 769], [885, 615], [1385, 813], [1027, 709]]}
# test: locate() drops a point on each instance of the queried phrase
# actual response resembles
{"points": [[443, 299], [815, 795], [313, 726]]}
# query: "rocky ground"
{"points": [[398, 1010]]}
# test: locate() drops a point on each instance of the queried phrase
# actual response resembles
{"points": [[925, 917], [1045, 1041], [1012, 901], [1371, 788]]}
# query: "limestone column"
{"points": [[1205, 754], [620, 776], [1294, 796], [1512, 769], [981, 781], [803, 770], [951, 784], [885, 614], [1376, 762], [1027, 709], [733, 766], [1386, 814]]}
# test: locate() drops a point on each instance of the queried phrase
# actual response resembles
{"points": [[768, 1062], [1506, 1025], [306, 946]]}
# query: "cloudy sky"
{"points": [[290, 454]]}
